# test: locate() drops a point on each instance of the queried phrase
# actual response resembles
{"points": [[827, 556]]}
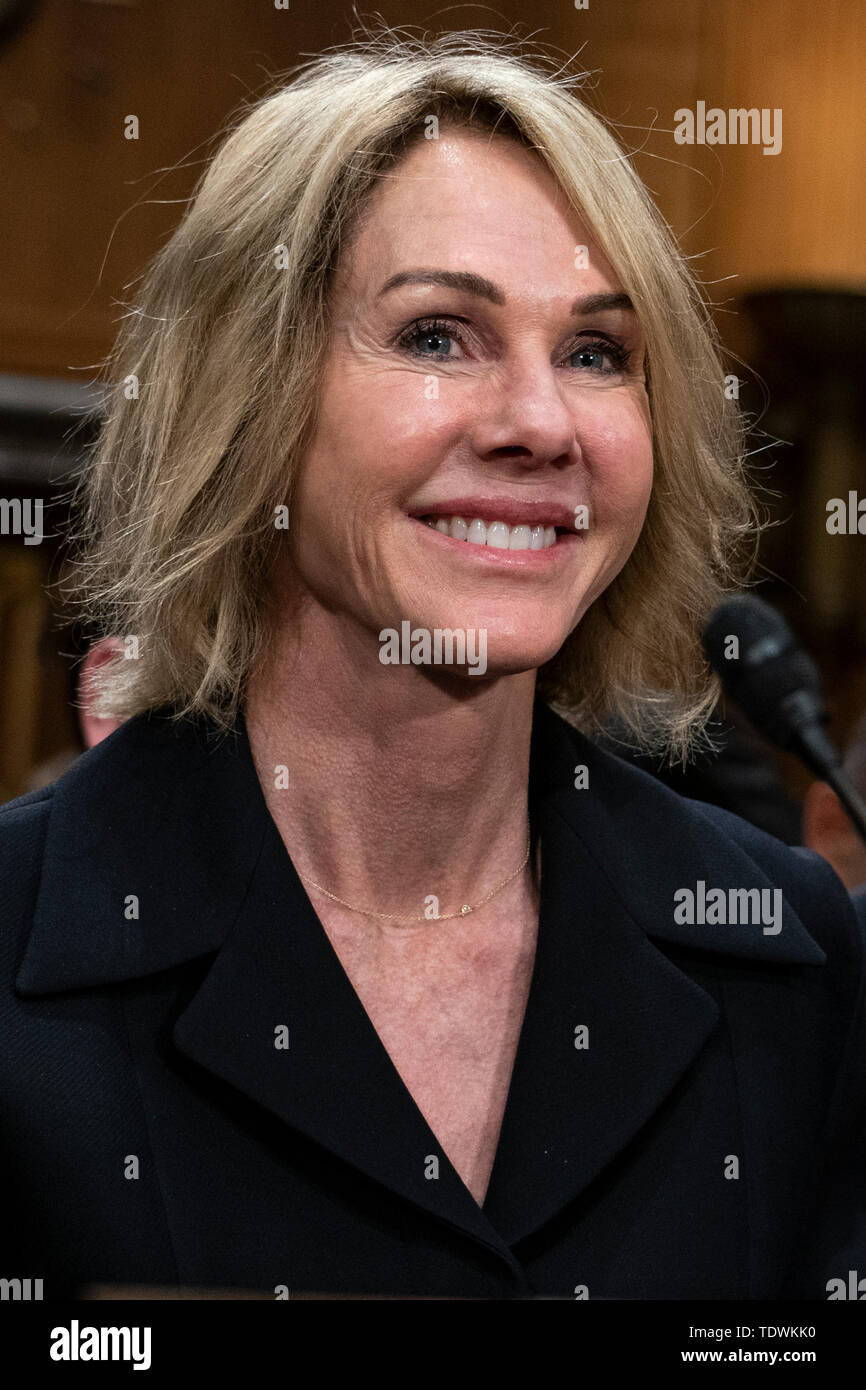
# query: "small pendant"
{"points": [[464, 909]]}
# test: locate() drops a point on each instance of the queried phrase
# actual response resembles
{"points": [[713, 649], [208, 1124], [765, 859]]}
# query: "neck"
{"points": [[398, 785]]}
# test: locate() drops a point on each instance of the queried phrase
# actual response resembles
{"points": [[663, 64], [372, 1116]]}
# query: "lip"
{"points": [[505, 559], [511, 510]]}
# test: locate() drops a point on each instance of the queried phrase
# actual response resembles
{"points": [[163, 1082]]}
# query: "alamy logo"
{"points": [[737, 126], [718, 906], [846, 518], [443, 646], [855, 1288], [20, 1290], [22, 517], [76, 1343]]}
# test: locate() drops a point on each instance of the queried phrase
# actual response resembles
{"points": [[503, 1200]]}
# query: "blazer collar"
{"points": [[187, 832]]}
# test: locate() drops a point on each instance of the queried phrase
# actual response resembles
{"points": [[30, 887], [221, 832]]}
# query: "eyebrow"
{"points": [[470, 283]]}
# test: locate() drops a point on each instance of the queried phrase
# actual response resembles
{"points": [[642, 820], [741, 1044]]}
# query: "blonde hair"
{"points": [[173, 518]]}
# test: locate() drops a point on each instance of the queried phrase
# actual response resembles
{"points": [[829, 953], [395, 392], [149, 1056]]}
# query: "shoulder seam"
{"points": [[34, 798]]}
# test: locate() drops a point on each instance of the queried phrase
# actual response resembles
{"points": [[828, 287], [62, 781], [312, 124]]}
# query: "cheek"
{"points": [[385, 427], [377, 440], [620, 460]]}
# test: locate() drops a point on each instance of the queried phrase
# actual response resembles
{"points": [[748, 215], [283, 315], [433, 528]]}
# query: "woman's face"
{"points": [[482, 367]]}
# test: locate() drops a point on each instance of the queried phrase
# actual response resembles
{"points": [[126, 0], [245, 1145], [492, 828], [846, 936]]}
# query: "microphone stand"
{"points": [[850, 799], [820, 755]]}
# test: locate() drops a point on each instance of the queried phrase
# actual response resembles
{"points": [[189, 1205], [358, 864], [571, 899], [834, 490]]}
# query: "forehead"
{"points": [[469, 201]]}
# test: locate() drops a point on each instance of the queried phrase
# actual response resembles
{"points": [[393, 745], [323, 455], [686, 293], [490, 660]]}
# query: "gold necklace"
{"points": [[392, 916]]}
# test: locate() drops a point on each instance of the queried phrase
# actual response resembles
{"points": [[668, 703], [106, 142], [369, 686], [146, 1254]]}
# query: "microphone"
{"points": [[776, 683]]}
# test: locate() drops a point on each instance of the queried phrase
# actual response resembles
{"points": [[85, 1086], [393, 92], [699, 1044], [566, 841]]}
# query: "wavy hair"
{"points": [[212, 391]]}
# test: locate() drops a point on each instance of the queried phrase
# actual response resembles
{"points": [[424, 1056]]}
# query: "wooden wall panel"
{"points": [[799, 216], [85, 209]]}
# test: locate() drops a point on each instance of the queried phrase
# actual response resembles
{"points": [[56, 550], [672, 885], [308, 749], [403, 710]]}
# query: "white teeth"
{"points": [[496, 534]]}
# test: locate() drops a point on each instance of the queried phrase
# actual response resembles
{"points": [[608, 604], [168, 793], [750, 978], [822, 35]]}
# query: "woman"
{"points": [[347, 965]]}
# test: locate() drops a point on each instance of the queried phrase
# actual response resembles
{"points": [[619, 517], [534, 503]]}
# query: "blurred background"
{"points": [[777, 238]]}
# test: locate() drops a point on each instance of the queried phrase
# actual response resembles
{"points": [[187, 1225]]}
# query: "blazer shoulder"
{"points": [[815, 889], [798, 870], [23, 822], [648, 830]]}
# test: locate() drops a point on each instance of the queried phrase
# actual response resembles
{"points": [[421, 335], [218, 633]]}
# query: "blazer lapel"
{"points": [[609, 1029], [334, 1082], [613, 854], [186, 831]]}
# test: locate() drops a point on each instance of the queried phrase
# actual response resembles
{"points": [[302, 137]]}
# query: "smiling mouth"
{"points": [[496, 535]]}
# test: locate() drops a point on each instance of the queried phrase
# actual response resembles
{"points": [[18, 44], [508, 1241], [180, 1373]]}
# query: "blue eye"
{"points": [[597, 351], [428, 332]]}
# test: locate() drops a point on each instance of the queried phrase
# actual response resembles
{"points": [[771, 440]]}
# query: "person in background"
{"points": [[826, 825], [93, 728]]}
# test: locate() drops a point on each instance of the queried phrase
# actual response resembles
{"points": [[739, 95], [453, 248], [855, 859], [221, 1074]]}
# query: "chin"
{"points": [[511, 659]]}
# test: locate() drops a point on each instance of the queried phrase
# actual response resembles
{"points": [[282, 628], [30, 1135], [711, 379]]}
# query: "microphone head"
{"points": [[763, 668]]}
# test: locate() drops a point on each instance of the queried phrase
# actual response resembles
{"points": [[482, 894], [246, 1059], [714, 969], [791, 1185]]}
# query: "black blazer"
{"points": [[704, 1144]]}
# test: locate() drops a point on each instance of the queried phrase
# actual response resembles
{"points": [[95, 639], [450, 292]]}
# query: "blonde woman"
{"points": [[348, 965]]}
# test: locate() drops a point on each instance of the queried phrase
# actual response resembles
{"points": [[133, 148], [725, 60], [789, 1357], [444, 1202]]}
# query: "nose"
{"points": [[523, 414]]}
